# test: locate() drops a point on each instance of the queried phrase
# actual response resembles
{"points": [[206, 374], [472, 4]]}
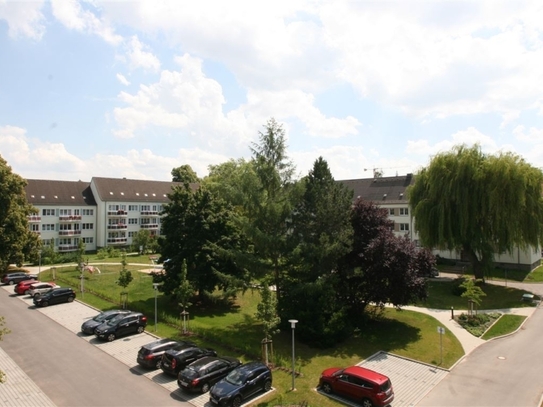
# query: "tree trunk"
{"points": [[476, 265]]}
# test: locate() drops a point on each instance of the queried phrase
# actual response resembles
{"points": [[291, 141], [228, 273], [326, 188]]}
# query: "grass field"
{"points": [[230, 328]]}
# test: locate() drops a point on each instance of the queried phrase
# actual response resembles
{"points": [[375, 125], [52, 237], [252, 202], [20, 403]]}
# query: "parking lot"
{"points": [[72, 315]]}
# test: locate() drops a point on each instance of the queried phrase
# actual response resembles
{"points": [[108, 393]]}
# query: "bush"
{"points": [[456, 288]]}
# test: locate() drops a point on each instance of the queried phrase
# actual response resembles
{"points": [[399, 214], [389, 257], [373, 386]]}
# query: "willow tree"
{"points": [[479, 204]]}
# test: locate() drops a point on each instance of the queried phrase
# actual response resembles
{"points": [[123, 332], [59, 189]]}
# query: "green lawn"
{"points": [[231, 329], [506, 324]]}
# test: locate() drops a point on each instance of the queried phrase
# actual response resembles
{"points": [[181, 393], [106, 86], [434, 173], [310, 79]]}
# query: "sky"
{"points": [[136, 88]]}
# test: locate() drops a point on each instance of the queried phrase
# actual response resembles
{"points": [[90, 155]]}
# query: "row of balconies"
{"points": [[117, 226], [70, 218], [149, 213], [149, 226], [67, 247], [117, 240]]}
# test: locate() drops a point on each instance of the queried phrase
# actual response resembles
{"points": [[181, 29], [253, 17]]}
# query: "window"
{"points": [[87, 226], [391, 211], [88, 240], [65, 212], [133, 221], [65, 241], [76, 211], [145, 207], [48, 212], [131, 234], [35, 227], [63, 226], [88, 212], [50, 226], [404, 211], [117, 207], [404, 226], [132, 207]]}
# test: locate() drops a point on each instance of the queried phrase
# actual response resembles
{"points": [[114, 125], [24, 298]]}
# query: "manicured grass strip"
{"points": [[505, 325]]}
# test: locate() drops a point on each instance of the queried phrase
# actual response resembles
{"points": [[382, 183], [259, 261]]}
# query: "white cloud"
{"points": [[122, 79], [24, 19], [138, 57], [534, 135], [73, 16]]}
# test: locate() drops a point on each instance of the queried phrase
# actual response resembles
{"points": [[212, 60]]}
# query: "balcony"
{"points": [[34, 218], [117, 213], [69, 232], [117, 226], [149, 213], [150, 226], [70, 218], [67, 248], [117, 240]]}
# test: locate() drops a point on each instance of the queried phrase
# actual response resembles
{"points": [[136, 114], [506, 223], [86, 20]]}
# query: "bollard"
{"points": [[452, 312]]}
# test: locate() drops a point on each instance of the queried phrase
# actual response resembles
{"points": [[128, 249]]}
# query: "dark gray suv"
{"points": [[55, 296]]}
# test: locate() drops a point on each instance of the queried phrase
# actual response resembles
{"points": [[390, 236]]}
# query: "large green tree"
{"points": [[478, 204], [184, 174], [17, 242], [198, 229]]}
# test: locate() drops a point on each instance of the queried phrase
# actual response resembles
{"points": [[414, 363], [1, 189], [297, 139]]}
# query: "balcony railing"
{"points": [[149, 226], [117, 213], [69, 218], [117, 240], [69, 232], [67, 248], [117, 226], [149, 213], [34, 218]]}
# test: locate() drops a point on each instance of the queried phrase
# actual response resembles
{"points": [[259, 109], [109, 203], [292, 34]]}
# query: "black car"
{"points": [[14, 278], [205, 372], [150, 355], [240, 384], [121, 325], [54, 296], [89, 326], [176, 359]]}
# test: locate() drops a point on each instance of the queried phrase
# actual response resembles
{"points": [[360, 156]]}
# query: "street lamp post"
{"points": [[293, 323], [39, 264], [155, 286]]}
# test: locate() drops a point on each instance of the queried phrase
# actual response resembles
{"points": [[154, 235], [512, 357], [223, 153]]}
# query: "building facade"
{"points": [[104, 212]]}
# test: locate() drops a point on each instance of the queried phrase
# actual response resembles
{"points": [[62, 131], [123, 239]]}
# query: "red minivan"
{"points": [[357, 383]]}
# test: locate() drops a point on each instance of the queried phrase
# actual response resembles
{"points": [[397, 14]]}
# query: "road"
{"points": [[70, 370], [503, 372]]}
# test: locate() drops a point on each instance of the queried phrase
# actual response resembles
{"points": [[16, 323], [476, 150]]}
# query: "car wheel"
{"points": [[11, 282], [111, 337], [45, 304], [158, 363], [205, 387], [26, 292], [236, 402], [140, 329], [267, 385], [70, 299], [367, 403], [327, 388]]}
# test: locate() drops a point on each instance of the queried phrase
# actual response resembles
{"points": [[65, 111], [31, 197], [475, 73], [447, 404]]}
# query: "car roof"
{"points": [[251, 366], [367, 374], [24, 282], [158, 343]]}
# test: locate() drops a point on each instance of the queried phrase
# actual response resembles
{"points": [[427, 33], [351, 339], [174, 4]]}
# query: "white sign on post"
{"points": [[440, 330]]}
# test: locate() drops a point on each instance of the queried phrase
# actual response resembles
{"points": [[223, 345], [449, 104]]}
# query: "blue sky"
{"points": [[135, 88]]}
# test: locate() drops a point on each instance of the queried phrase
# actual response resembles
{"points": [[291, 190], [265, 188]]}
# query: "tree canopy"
{"points": [[184, 174], [17, 242], [478, 204]]}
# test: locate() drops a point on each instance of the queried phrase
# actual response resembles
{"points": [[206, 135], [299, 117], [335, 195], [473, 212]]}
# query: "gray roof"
{"points": [[46, 192], [132, 190], [381, 190]]}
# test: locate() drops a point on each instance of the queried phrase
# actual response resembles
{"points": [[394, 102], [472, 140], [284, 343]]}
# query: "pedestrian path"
{"points": [[19, 389]]}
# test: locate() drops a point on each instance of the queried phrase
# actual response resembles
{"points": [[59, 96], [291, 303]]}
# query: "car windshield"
{"points": [[115, 320], [101, 317], [338, 372], [236, 377], [385, 386]]}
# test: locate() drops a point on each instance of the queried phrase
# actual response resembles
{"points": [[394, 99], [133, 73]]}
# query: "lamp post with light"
{"points": [[155, 286], [293, 323]]}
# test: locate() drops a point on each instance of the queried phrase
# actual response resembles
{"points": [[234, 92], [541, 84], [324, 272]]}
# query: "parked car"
{"points": [[22, 287], [176, 359], [55, 296], [14, 278], [363, 385], [205, 372], [38, 288], [240, 384], [90, 325], [121, 325], [150, 355]]}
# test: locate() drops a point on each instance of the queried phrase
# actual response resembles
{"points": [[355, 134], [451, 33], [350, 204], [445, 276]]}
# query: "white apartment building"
{"points": [[391, 193], [104, 212]]}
